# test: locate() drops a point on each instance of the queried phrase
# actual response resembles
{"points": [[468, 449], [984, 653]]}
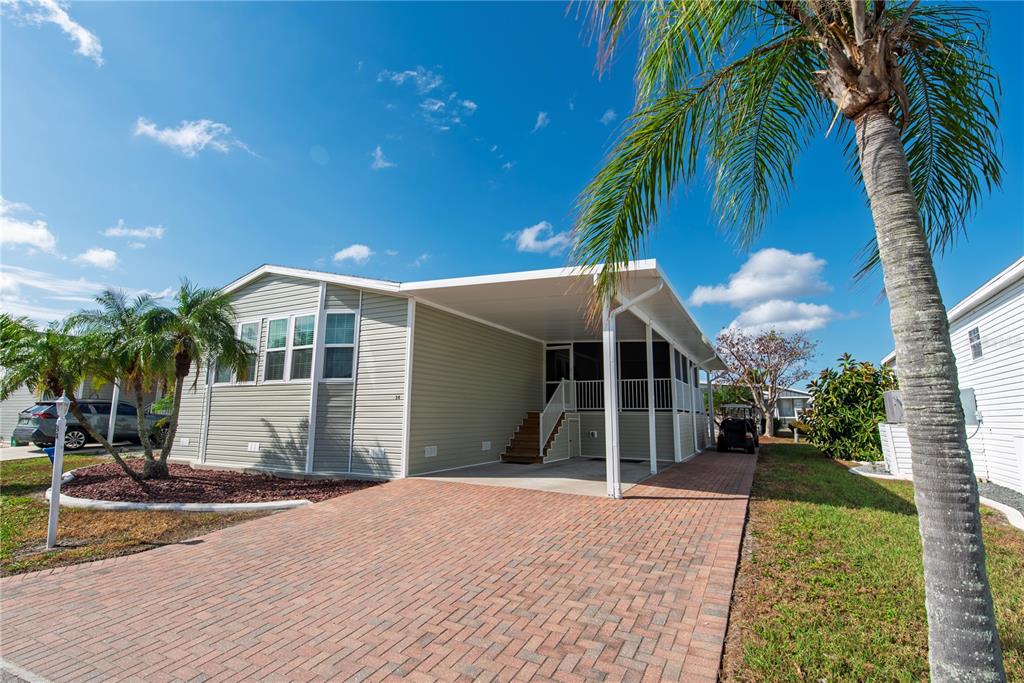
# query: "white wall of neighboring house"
{"points": [[994, 370]]}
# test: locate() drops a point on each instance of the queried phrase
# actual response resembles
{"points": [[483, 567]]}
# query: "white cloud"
{"points": [[431, 104], [541, 239], [357, 253], [121, 230], [767, 274], [508, 165], [494, 148], [470, 106], [45, 297], [391, 252], [542, 121], [99, 257], [784, 316], [425, 79], [608, 117], [379, 160], [53, 12], [136, 245], [27, 232], [420, 260], [191, 137]]}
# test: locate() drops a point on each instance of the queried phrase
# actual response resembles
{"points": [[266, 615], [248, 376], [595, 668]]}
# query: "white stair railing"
{"points": [[564, 399]]}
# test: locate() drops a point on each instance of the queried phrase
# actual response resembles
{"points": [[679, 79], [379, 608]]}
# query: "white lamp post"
{"points": [[58, 470]]}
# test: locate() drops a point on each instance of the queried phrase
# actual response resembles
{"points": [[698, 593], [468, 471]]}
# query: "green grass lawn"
{"points": [[83, 535], [830, 586]]}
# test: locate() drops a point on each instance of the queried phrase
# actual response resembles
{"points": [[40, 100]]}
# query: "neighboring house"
{"points": [[987, 331], [375, 378], [791, 404]]}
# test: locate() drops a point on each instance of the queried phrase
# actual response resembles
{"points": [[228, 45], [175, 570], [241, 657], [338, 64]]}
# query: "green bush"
{"points": [[847, 405]]}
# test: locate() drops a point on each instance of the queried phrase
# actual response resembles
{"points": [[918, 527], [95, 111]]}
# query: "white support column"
{"points": [[677, 447], [318, 362], [652, 439], [611, 407], [711, 411], [115, 398], [694, 397]]}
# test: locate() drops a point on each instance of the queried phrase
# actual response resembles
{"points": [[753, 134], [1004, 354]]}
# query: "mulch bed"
{"points": [[186, 485]]}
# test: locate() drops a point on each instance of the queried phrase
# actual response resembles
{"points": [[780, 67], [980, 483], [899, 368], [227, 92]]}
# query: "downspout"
{"points": [[611, 407]]}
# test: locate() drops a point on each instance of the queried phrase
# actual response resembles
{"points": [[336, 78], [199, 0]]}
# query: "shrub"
{"points": [[847, 405]]}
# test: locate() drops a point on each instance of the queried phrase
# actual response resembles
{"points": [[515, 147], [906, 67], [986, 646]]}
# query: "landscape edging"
{"points": [[1013, 516]]}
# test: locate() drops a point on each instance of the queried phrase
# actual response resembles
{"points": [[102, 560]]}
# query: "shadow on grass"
{"points": [[800, 473]]}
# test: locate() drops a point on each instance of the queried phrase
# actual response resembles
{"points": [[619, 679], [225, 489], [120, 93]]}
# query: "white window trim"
{"points": [[259, 336], [353, 345], [287, 377], [292, 347]]}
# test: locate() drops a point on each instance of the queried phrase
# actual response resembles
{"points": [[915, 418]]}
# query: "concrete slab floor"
{"points": [[580, 476]]}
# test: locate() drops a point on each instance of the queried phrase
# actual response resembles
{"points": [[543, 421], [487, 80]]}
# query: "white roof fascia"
{"points": [[682, 305], [345, 280], [520, 276]]}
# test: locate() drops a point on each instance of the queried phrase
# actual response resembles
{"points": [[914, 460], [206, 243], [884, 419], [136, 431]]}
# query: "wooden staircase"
{"points": [[523, 448]]}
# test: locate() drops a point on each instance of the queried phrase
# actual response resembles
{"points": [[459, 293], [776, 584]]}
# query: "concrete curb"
{"points": [[19, 673], [122, 506], [1013, 516]]}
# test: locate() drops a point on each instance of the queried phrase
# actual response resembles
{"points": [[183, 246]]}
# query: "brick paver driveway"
{"points": [[425, 579]]}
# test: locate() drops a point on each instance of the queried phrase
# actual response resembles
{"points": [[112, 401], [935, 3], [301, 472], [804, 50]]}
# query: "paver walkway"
{"points": [[431, 580]]}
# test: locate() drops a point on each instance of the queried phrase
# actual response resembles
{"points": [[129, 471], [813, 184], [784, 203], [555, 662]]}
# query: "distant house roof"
{"points": [[1009, 276]]}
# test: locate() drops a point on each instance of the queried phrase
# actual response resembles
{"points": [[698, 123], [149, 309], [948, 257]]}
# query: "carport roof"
{"points": [[551, 305]]}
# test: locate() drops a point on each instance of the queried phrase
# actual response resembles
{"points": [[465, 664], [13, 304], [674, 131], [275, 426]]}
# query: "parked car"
{"points": [[38, 424]]}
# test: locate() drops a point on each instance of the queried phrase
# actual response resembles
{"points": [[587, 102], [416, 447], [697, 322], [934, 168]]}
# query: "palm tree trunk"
{"points": [[172, 421], [151, 469], [962, 636], [76, 410]]}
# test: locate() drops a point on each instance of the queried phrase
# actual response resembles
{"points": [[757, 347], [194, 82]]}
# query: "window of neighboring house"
{"points": [[975, 337], [250, 334], [303, 334], [277, 350], [339, 345]]}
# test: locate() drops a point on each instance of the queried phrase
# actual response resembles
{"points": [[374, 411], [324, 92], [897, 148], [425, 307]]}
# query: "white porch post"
{"points": [[694, 397], [652, 439], [115, 399], [677, 448], [711, 409], [611, 408]]}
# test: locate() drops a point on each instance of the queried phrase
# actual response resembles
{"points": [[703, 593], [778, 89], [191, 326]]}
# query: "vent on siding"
{"points": [[485, 446], [430, 451], [377, 453], [253, 446], [185, 441]]}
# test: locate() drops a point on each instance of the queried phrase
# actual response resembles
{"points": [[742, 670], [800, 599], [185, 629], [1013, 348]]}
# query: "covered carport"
{"points": [[557, 306]]}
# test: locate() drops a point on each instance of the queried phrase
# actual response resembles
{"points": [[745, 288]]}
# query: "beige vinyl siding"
{"points": [[190, 417], [341, 298], [333, 427], [380, 386], [470, 383], [633, 442], [685, 434], [15, 403], [274, 415]]}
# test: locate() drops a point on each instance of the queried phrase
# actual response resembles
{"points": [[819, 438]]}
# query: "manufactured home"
{"points": [[987, 331], [374, 378]]}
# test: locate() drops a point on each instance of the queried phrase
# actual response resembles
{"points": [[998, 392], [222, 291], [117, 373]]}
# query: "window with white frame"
{"points": [[250, 334], [339, 345], [277, 350], [303, 336], [974, 335]]}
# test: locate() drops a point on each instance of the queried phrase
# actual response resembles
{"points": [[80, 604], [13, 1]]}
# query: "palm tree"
{"points": [[52, 360], [198, 330], [128, 330], [744, 86]]}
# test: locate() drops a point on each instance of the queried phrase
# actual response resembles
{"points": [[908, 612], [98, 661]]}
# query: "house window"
{"points": [[222, 373], [303, 332], [250, 334], [681, 366], [277, 349], [339, 345], [975, 336]]}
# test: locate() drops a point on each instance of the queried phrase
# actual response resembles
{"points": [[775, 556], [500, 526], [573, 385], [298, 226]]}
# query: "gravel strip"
{"points": [[1001, 494]]}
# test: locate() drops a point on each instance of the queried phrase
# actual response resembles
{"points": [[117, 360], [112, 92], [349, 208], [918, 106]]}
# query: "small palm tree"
{"points": [[52, 360], [197, 330], [128, 331], [744, 86]]}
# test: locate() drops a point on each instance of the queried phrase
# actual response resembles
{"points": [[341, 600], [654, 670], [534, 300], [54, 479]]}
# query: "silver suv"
{"points": [[38, 424]]}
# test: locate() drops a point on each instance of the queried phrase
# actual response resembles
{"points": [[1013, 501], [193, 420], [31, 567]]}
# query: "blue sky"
{"points": [[144, 142]]}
